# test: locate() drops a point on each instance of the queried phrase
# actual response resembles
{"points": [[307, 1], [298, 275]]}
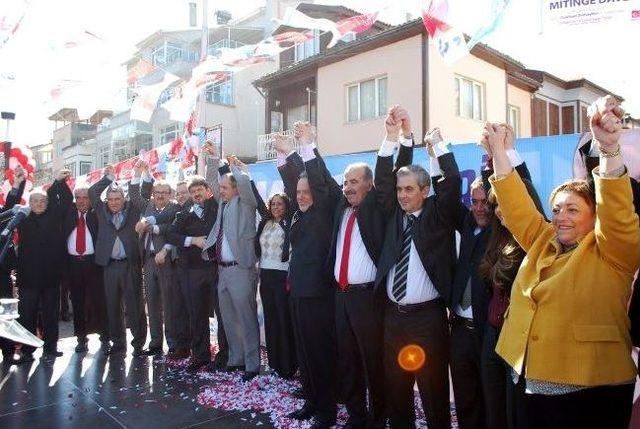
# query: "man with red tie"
{"points": [[85, 277], [360, 218]]}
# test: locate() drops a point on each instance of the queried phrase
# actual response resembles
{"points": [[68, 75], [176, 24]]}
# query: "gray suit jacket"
{"points": [[107, 232], [239, 222]]}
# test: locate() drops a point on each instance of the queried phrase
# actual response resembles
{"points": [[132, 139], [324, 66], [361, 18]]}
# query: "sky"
{"points": [[35, 60]]}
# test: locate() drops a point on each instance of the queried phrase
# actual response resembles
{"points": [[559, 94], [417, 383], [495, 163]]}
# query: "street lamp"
{"points": [[8, 116]]}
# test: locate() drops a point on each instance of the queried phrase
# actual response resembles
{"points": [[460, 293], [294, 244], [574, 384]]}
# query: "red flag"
{"points": [[175, 148], [435, 16], [357, 24], [292, 38]]}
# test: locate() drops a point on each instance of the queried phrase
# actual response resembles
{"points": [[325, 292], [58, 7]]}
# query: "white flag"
{"points": [[147, 99]]}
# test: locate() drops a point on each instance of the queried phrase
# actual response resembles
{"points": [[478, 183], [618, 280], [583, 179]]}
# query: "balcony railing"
{"points": [[265, 148]]}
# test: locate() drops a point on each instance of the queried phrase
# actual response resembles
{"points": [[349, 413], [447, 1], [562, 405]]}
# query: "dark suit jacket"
{"points": [[41, 251], [472, 249], [9, 262], [433, 232], [374, 211], [107, 232], [71, 221], [310, 233], [590, 163], [188, 224]]}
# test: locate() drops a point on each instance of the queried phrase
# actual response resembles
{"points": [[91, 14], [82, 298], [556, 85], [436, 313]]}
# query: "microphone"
{"points": [[21, 213], [9, 213]]}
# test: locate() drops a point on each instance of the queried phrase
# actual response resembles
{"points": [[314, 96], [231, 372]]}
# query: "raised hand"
{"points": [[606, 122], [431, 139], [240, 165], [401, 115], [138, 167], [496, 136], [281, 144], [484, 142], [510, 137], [210, 149], [391, 124], [304, 132], [109, 171], [63, 174], [19, 176]]}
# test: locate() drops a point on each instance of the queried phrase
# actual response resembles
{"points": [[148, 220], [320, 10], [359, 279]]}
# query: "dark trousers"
{"points": [[314, 331], [123, 282], [277, 322], [497, 386], [158, 282], [199, 289], [360, 357], [46, 299], [465, 373], [87, 298], [597, 407], [179, 307], [427, 328]]}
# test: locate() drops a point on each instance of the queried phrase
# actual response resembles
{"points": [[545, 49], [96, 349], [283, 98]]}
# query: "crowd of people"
{"points": [[366, 289]]}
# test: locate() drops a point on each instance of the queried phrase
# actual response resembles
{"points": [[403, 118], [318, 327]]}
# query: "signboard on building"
{"points": [[566, 13]]}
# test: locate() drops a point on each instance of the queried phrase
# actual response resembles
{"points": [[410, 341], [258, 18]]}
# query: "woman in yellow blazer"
{"points": [[566, 330]]}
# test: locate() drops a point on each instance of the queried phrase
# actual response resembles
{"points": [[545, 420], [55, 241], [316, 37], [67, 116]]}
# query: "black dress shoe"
{"points": [[249, 375], [220, 362], [81, 348], [153, 351], [195, 365], [52, 353], [232, 368], [304, 413], [116, 350], [138, 351], [322, 424]]}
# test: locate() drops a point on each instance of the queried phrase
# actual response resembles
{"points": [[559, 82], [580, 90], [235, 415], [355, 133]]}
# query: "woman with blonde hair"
{"points": [[566, 332]]}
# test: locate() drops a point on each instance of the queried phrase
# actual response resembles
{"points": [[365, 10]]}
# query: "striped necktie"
{"points": [[402, 265]]}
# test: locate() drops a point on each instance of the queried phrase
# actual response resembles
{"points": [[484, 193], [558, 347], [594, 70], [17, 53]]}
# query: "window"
{"points": [[169, 52], [367, 99], [469, 99], [105, 156], [45, 157], [514, 118], [220, 92], [308, 48], [169, 134], [85, 167]]}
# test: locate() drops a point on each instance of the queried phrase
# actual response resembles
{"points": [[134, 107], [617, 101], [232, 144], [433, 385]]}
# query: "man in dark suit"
{"points": [[416, 272], [469, 302], [312, 302], [360, 217], [199, 276], [80, 230], [40, 262], [118, 253], [13, 197], [157, 264]]}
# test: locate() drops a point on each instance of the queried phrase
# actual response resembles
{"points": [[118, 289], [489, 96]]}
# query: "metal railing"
{"points": [[265, 150]]}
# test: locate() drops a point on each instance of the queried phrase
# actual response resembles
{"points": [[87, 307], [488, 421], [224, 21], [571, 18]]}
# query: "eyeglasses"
{"points": [[161, 192]]}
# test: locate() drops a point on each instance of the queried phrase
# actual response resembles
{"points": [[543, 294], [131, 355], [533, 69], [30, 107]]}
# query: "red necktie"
{"points": [[343, 280], [81, 244]]}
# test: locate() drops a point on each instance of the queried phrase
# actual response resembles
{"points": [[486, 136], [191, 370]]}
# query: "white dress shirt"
{"points": [[71, 241], [420, 288], [361, 266]]}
